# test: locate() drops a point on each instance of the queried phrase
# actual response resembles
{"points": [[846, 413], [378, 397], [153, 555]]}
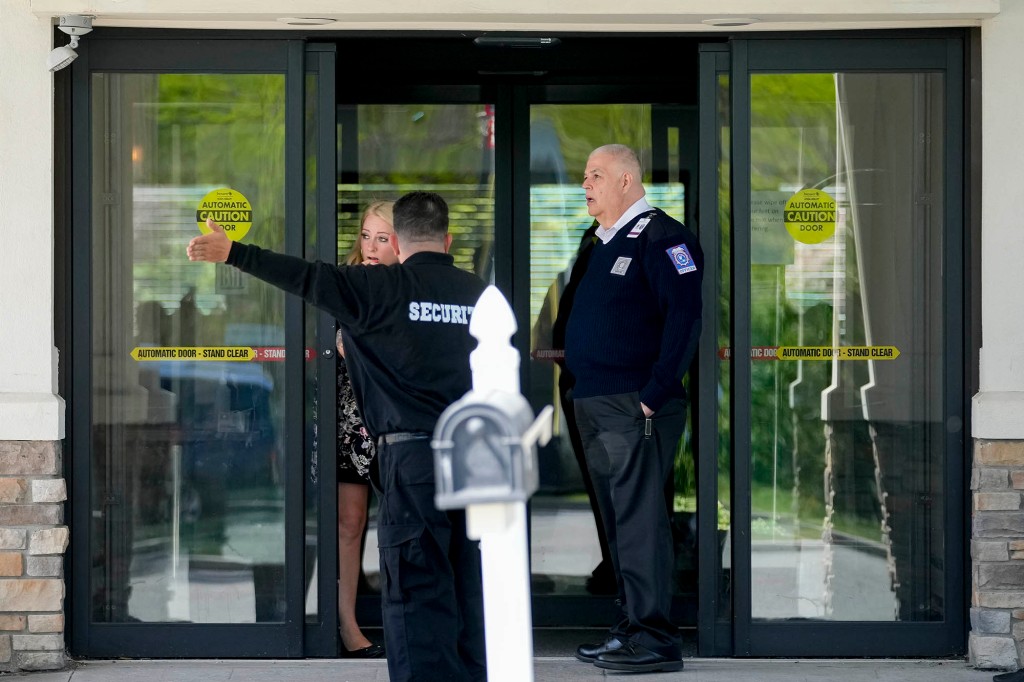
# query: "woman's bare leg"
{"points": [[352, 499]]}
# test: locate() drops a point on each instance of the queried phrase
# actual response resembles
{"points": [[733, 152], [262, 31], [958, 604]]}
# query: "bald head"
{"points": [[624, 157], [612, 182]]}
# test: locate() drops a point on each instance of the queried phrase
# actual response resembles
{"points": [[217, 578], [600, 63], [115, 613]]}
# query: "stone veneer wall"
{"points": [[997, 555], [32, 543]]}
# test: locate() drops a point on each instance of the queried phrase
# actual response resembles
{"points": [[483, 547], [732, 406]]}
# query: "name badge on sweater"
{"points": [[681, 259], [621, 265], [638, 228]]}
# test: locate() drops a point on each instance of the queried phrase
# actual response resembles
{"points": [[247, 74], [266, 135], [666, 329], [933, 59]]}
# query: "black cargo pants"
{"points": [[431, 590]]}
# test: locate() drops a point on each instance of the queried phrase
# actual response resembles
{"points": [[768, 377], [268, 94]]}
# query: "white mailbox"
{"points": [[481, 453]]}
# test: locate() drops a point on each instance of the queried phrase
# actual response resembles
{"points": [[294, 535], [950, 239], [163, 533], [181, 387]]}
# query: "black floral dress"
{"points": [[355, 447]]}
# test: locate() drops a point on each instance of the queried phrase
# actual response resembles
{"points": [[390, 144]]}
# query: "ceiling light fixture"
{"points": [[730, 21], [306, 21], [74, 25]]}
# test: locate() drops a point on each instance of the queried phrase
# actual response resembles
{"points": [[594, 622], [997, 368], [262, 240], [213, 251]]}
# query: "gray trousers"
{"points": [[630, 459]]}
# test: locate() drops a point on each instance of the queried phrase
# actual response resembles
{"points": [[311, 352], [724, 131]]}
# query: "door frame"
{"points": [[127, 50], [321, 633], [941, 51], [714, 634], [591, 610], [513, 89], [174, 52]]}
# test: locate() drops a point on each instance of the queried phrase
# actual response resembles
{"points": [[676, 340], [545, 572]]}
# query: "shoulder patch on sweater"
{"points": [[639, 227], [681, 258]]}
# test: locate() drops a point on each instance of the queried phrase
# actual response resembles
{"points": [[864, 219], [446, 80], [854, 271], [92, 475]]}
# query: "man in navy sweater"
{"points": [[631, 336]]}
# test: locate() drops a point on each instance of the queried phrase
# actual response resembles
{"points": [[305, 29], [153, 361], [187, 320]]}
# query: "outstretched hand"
{"points": [[210, 248]]}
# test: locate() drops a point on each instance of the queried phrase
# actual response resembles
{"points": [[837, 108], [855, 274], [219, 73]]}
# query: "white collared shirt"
{"points": [[605, 234]]}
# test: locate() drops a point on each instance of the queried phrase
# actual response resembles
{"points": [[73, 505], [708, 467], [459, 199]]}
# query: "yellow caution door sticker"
{"points": [[815, 353], [192, 353], [810, 216], [229, 208], [837, 353], [221, 353]]}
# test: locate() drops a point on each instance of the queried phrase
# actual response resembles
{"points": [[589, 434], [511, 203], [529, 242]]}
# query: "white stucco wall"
{"points": [[999, 406], [29, 406]]}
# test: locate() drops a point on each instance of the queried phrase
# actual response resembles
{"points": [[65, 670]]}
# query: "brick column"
{"points": [[32, 544], [997, 555]]}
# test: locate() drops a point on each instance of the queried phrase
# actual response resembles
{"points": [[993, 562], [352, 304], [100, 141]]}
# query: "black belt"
{"points": [[401, 437]]}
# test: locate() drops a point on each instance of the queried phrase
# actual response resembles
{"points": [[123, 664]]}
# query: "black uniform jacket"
{"points": [[405, 328]]}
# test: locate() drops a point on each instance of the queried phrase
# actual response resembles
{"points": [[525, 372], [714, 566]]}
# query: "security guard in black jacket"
{"points": [[407, 344]]}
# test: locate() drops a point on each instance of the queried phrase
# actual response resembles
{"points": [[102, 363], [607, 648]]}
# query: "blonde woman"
{"points": [[356, 449]]}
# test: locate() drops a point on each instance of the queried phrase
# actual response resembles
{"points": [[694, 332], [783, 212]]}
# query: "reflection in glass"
{"points": [[388, 150], [846, 471], [313, 446], [187, 497], [724, 331]]}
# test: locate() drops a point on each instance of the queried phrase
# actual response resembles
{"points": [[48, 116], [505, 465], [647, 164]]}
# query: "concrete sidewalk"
{"points": [[547, 669]]}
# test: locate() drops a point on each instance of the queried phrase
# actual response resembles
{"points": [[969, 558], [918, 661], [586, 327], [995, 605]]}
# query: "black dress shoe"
{"points": [[588, 653], [634, 658], [372, 651], [1015, 676]]}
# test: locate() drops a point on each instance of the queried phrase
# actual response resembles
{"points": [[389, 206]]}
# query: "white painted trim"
{"points": [[593, 15], [31, 416], [998, 415], [656, 25]]}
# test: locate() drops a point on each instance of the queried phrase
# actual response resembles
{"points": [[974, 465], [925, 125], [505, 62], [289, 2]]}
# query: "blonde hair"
{"points": [[383, 210]]}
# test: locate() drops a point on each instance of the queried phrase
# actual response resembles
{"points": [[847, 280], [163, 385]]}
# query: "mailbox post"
{"points": [[485, 460]]}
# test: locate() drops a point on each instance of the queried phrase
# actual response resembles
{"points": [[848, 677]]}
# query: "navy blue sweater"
{"points": [[636, 317]]}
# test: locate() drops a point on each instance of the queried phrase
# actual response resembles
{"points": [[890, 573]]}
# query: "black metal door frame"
{"points": [[513, 79], [169, 52], [512, 91], [714, 633], [801, 54], [320, 477], [668, 111]]}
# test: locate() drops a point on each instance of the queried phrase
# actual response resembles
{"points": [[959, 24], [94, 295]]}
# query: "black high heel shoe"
{"points": [[372, 651]]}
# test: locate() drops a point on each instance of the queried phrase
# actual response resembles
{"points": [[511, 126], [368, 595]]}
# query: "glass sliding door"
{"points": [[847, 501], [385, 151], [456, 149], [186, 449], [817, 490], [715, 501], [567, 550], [320, 539], [854, 409], [183, 494]]}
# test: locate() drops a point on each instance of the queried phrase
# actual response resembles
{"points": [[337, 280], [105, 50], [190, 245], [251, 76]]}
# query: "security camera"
{"points": [[74, 25]]}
